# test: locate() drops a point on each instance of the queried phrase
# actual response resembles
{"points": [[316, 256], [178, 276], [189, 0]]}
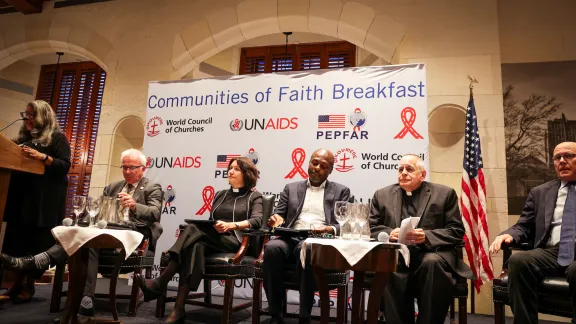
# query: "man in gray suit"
{"points": [[434, 265], [548, 222], [141, 203], [302, 205]]}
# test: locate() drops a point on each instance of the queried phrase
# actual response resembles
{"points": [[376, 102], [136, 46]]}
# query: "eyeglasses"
{"points": [[567, 157], [408, 169], [24, 114], [130, 167]]}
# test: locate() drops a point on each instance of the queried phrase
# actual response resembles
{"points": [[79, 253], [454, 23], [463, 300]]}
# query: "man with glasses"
{"points": [[434, 265], [140, 203], [548, 221]]}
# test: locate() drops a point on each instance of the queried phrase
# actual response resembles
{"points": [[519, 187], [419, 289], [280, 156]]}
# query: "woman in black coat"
{"points": [[233, 210], [36, 203]]}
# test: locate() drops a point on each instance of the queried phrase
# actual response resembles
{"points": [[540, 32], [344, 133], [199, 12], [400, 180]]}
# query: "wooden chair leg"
{"points": [[256, 300], [462, 311], [134, 294], [499, 313], [452, 311], [148, 273], [161, 304], [57, 288], [207, 291], [228, 301]]}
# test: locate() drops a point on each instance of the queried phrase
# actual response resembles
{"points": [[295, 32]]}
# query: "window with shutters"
{"points": [[299, 57], [75, 92]]}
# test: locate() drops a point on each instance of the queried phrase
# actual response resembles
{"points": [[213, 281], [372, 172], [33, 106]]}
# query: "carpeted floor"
{"points": [[37, 311]]}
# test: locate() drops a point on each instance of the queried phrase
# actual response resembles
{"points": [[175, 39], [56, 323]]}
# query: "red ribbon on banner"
{"points": [[408, 122], [298, 157], [207, 196]]}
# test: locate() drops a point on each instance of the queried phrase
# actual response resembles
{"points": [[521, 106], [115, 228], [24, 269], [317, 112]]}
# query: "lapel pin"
{"points": [[141, 188]]}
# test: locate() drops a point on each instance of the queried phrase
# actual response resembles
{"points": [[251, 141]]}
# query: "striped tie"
{"points": [[566, 250]]}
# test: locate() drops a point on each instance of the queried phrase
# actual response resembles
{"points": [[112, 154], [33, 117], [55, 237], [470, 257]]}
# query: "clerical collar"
{"points": [[323, 185], [412, 193], [238, 190]]}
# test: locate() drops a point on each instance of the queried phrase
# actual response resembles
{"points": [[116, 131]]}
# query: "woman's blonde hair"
{"points": [[45, 124]]}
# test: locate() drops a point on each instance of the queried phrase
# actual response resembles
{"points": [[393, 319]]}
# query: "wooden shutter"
{"points": [[77, 101], [299, 57]]}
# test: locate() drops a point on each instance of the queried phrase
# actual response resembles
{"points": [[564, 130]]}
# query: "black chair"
{"points": [[141, 259], [553, 292], [225, 267], [460, 293], [335, 279]]}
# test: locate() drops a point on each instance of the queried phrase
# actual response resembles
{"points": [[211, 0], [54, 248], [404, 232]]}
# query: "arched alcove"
{"points": [[351, 21], [128, 133]]}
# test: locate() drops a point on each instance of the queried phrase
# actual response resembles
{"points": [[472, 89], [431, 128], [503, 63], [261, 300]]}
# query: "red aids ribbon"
{"points": [[207, 196], [408, 122], [298, 157]]}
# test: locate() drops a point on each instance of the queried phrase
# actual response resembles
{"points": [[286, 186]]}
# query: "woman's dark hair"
{"points": [[249, 171]]}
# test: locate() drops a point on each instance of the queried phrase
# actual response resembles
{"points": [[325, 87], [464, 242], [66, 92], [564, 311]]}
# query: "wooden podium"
{"points": [[13, 159]]}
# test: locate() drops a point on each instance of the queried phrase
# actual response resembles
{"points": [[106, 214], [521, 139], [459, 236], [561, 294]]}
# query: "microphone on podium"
{"points": [[23, 118], [383, 237]]}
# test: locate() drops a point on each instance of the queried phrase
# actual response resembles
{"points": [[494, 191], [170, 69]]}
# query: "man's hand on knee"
{"points": [[497, 244]]}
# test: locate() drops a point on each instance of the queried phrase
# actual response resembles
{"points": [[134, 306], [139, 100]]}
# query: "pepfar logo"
{"points": [[222, 161], [153, 126], [343, 159], [262, 124], [333, 126], [169, 197]]}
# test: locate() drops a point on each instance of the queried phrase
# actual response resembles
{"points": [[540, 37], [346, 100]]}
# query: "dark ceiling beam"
{"points": [[26, 6]]}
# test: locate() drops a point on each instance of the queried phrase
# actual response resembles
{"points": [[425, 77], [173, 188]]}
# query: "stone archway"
{"points": [[52, 36], [351, 21], [128, 133]]}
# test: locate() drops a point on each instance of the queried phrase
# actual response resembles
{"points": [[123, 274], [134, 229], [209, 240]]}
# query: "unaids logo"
{"points": [[153, 126], [236, 124]]}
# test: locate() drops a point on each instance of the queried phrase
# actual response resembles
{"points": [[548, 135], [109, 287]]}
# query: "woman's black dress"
{"points": [[36, 203], [196, 240]]}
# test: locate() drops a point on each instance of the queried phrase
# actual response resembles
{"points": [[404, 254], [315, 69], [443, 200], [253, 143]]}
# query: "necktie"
{"points": [[566, 250]]}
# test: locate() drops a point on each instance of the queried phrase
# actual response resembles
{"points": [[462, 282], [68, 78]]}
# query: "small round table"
{"points": [[382, 260]]}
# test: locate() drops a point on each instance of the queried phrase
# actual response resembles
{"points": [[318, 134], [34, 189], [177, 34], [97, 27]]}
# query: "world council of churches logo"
{"points": [[152, 127]]}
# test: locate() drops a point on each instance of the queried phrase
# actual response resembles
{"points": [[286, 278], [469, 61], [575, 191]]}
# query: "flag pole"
{"points": [[472, 291]]}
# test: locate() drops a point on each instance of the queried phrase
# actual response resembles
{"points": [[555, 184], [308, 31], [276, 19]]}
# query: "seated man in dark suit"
{"points": [[548, 221], [141, 203], [434, 264], [302, 205]]}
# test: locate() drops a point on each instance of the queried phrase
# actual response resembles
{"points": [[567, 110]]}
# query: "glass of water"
{"points": [[341, 214], [93, 208], [78, 206]]}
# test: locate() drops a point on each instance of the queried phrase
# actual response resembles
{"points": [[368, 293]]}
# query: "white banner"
{"points": [[367, 116]]}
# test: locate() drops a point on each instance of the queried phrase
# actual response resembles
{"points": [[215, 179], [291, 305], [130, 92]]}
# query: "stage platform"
{"points": [[37, 310]]}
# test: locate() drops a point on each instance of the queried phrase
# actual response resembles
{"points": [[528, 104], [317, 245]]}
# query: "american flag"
{"points": [[332, 121], [473, 202], [223, 160]]}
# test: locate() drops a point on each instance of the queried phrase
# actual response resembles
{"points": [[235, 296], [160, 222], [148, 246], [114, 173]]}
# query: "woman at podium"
{"points": [[232, 211], [36, 203]]}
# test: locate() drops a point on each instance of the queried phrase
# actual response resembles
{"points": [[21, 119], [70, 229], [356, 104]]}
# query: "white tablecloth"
{"points": [[351, 250], [73, 237]]}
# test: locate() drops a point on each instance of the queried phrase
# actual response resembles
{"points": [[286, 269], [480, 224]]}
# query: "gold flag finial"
{"points": [[471, 86]]}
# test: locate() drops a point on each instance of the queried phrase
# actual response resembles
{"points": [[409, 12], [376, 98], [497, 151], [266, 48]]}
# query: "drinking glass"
{"points": [[353, 220], [78, 206], [93, 208], [364, 228], [340, 212]]}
